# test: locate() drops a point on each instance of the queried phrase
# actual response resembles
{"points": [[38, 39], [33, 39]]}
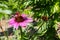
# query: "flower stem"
{"points": [[20, 33]]}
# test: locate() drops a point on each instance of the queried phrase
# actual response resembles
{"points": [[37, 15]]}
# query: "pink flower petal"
{"points": [[10, 25], [23, 24], [16, 25], [29, 20], [11, 21], [24, 15]]}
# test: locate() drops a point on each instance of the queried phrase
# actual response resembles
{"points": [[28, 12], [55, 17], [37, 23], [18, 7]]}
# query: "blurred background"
{"points": [[45, 14]]}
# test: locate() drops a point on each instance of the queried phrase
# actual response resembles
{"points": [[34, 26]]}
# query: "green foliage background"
{"points": [[36, 9]]}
